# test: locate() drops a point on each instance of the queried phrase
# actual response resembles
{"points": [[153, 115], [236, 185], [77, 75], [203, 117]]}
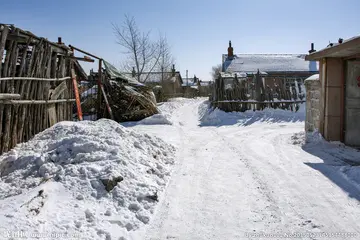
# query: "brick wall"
{"points": [[312, 105]]}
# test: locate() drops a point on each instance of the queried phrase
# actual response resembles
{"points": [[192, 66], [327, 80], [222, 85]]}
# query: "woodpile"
{"points": [[36, 88], [130, 102]]}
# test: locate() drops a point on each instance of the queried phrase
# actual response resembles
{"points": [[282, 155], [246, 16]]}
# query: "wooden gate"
{"points": [[352, 104]]}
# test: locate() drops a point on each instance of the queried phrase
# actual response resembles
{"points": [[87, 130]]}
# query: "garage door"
{"points": [[352, 104]]}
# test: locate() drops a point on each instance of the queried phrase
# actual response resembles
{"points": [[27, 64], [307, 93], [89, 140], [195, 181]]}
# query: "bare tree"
{"points": [[143, 54], [166, 60], [215, 70]]}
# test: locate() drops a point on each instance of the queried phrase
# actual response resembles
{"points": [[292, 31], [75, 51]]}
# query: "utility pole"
{"points": [[187, 80]]}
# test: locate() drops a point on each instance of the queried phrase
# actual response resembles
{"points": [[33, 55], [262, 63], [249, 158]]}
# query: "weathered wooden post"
{"points": [[258, 83]]}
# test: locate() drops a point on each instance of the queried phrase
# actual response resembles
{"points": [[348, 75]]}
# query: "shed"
{"points": [[339, 76]]}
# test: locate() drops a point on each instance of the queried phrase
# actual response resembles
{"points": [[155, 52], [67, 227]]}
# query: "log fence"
{"points": [[36, 87]]}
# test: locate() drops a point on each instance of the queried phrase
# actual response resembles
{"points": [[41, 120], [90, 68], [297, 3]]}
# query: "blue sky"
{"points": [[198, 30]]}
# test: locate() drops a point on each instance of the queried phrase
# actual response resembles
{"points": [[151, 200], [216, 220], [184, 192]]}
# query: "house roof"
{"points": [[347, 48], [250, 63], [232, 74], [189, 82], [205, 83]]}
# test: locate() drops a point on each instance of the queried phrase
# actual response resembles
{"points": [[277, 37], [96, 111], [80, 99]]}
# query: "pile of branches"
{"points": [[130, 102]]}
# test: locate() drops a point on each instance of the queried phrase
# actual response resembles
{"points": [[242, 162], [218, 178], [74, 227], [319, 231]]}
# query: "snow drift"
{"points": [[217, 117], [156, 119], [98, 180]]}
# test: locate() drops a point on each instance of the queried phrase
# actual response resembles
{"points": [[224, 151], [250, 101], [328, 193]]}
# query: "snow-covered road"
{"points": [[234, 181], [189, 173]]}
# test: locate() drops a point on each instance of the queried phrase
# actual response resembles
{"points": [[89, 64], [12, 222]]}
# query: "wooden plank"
{"points": [[21, 86], [22, 136], [39, 89], [52, 114], [58, 91], [47, 88], [3, 38], [52, 119], [36, 79], [77, 97], [10, 57], [15, 87], [34, 72], [36, 102], [52, 111], [44, 88], [100, 86], [5, 96]]}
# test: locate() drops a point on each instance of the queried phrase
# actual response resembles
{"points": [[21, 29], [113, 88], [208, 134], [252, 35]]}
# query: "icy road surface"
{"points": [[240, 176]]}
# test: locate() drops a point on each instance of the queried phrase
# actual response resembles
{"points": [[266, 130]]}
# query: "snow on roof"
{"points": [[189, 82], [313, 77], [205, 83], [232, 74], [268, 63]]}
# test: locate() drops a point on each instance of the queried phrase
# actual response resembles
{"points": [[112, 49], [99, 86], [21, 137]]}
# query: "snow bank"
{"points": [[156, 119], [96, 179], [217, 117]]}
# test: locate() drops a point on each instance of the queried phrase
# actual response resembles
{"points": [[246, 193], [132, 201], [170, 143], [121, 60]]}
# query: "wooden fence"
{"points": [[231, 93], [36, 86]]}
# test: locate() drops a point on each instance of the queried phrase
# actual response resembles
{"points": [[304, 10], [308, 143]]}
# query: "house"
{"points": [[205, 88], [338, 95], [276, 69]]}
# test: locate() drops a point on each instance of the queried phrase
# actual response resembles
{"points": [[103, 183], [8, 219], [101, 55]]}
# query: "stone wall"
{"points": [[312, 105]]}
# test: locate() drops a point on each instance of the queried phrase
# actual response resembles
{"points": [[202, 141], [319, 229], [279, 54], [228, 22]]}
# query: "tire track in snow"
{"points": [[263, 188], [289, 222]]}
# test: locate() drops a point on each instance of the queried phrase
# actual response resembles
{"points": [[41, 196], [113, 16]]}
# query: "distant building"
{"points": [[170, 81], [195, 87], [274, 68]]}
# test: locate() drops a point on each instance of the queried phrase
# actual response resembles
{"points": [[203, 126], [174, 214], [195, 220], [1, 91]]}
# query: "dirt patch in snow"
{"points": [[107, 175]]}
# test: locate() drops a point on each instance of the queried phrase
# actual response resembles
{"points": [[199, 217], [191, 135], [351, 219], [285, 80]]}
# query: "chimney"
{"points": [[312, 48], [230, 50], [59, 40], [340, 40], [133, 73], [173, 70]]}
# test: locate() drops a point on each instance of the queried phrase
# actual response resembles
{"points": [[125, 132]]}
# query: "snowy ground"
{"points": [[236, 175], [242, 174]]}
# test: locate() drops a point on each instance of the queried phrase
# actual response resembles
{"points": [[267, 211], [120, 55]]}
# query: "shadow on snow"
{"points": [[341, 164]]}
